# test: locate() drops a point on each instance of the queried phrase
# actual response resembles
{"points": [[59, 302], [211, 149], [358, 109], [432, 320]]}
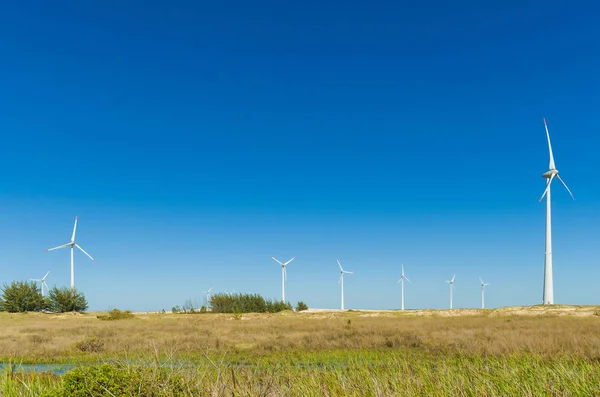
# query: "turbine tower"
{"points": [[548, 298], [402, 278], [42, 281], [283, 276], [72, 245], [341, 280], [207, 293], [482, 293], [451, 282]]}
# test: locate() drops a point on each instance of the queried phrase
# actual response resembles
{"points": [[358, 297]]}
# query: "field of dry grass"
{"points": [[571, 331]]}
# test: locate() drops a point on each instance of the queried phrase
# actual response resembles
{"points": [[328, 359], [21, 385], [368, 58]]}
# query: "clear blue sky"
{"points": [[196, 139]]}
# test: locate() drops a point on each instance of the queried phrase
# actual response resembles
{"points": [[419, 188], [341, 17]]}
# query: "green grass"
{"points": [[368, 373], [495, 353]]}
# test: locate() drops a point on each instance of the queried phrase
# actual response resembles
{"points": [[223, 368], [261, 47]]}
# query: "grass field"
{"points": [[513, 351]]}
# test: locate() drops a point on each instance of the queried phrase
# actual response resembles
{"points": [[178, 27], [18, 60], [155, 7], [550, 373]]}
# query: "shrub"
{"points": [[90, 345], [118, 380], [65, 299], [301, 306], [116, 314], [22, 296]]}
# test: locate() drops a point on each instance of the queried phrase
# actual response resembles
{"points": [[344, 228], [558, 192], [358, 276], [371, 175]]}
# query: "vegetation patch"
{"points": [[409, 373], [26, 296], [116, 314], [90, 345]]}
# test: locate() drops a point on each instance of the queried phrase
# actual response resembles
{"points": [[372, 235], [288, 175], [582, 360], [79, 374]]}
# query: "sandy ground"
{"points": [[557, 310]]}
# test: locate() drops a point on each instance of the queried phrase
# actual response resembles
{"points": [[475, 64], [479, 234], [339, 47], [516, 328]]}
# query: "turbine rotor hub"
{"points": [[548, 174]]}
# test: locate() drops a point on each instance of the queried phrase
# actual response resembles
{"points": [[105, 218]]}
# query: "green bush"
{"points": [[22, 296], [301, 306], [65, 299], [245, 303], [118, 380], [116, 314]]}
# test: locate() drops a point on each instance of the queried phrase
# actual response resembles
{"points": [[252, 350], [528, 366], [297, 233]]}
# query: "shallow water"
{"points": [[61, 369], [57, 369]]}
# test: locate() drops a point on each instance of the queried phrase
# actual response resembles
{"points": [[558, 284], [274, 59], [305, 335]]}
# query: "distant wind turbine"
{"points": [[283, 276], [451, 282], [482, 293], [341, 280], [207, 293], [402, 278], [548, 298], [42, 281], [72, 245]]}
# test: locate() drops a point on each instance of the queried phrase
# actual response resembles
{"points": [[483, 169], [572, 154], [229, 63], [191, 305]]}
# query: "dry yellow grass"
{"points": [[565, 330]]}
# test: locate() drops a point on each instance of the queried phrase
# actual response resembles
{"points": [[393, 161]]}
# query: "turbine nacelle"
{"points": [[550, 173]]}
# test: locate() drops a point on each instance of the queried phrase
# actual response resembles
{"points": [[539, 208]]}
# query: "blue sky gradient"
{"points": [[195, 140]]}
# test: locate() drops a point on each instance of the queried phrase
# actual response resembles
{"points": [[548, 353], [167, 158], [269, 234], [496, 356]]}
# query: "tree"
{"points": [[22, 296], [301, 306], [66, 300]]}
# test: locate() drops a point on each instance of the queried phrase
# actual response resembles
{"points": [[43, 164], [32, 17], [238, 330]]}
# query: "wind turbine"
{"points": [[42, 281], [451, 282], [482, 293], [283, 276], [207, 293], [72, 245], [548, 298], [341, 280], [402, 278]]}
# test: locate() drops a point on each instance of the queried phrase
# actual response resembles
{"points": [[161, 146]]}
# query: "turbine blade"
{"points": [[82, 250], [552, 166], [339, 264], [481, 280], [348, 272], [74, 229], [398, 282], [45, 276], [408, 279], [46, 285], [341, 277], [453, 278], [60, 246], [547, 188], [565, 185], [210, 289], [286, 263], [277, 261], [403, 270]]}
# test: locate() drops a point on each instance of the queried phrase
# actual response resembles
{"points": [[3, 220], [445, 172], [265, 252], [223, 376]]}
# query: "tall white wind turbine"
{"points": [[548, 298], [207, 293], [72, 245], [451, 282], [341, 280], [482, 292], [402, 278], [42, 281], [283, 276]]}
